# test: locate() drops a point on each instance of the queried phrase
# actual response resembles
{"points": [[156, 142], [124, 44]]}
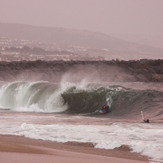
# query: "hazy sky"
{"points": [[136, 20]]}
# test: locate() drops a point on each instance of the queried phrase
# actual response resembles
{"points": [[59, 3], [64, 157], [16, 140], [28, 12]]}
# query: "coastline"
{"points": [[17, 148]]}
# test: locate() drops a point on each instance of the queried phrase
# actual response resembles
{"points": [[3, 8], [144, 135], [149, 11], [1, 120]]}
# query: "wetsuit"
{"points": [[105, 109]]}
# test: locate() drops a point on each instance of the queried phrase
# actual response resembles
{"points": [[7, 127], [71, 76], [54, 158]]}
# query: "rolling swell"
{"points": [[131, 102]]}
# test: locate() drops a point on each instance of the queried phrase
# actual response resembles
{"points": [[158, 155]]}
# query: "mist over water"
{"points": [[75, 71]]}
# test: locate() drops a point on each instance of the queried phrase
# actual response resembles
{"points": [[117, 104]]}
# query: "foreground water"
{"points": [[146, 139], [69, 112]]}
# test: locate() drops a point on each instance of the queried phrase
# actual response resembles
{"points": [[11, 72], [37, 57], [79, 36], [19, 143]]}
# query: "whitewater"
{"points": [[40, 107]]}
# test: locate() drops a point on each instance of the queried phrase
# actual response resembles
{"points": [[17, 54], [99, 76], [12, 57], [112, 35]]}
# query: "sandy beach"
{"points": [[14, 149]]}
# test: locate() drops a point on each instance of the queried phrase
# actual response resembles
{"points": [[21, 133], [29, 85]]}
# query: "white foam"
{"points": [[32, 97], [144, 139]]}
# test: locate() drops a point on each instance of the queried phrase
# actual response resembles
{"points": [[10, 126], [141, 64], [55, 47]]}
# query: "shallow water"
{"points": [[105, 133]]}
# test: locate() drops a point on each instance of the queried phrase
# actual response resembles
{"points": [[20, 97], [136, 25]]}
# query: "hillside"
{"points": [[65, 38]]}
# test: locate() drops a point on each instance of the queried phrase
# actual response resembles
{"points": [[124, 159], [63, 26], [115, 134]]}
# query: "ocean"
{"points": [[60, 102]]}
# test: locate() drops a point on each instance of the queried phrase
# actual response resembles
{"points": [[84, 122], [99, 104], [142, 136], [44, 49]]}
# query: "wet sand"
{"points": [[14, 149]]}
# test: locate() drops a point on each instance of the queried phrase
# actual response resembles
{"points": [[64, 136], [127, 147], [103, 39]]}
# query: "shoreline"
{"points": [[21, 149]]}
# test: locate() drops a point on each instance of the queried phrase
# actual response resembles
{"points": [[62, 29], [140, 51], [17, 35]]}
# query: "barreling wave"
{"points": [[72, 98], [124, 103]]}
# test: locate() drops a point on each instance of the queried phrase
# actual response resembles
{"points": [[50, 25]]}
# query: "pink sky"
{"points": [[135, 20]]}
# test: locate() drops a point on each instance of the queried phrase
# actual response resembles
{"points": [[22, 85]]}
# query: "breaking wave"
{"points": [[32, 97], [80, 99]]}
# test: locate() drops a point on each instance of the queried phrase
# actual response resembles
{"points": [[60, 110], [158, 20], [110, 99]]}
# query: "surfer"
{"points": [[144, 120], [105, 109]]}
